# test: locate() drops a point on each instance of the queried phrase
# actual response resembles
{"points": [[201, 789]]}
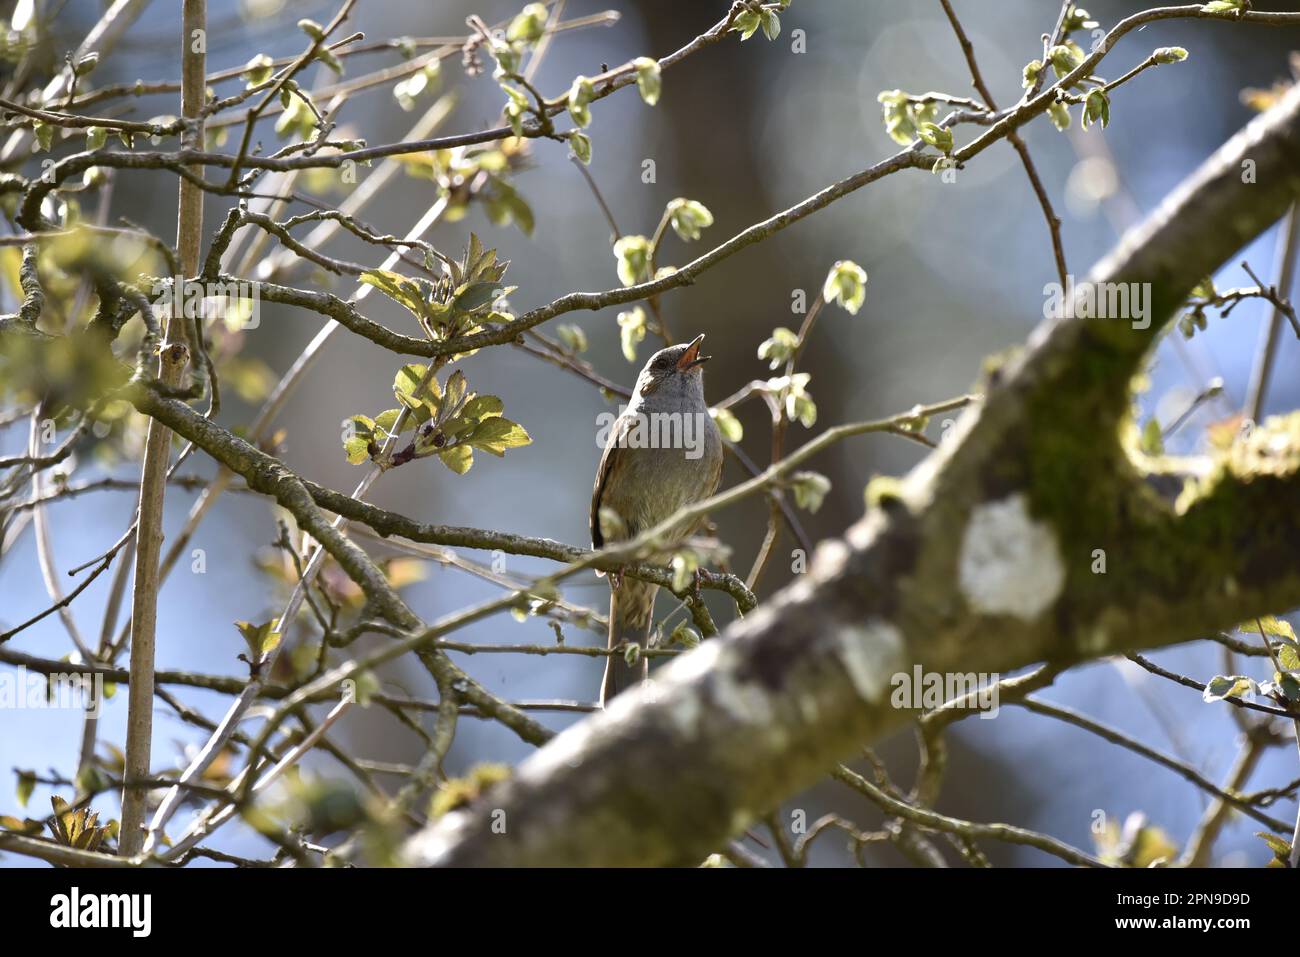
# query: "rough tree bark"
{"points": [[980, 560]]}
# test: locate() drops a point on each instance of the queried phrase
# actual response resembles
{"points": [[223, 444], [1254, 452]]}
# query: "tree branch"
{"points": [[153, 479], [981, 560]]}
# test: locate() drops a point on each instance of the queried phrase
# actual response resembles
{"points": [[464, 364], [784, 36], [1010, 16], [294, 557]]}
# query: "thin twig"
{"points": [[153, 479], [1040, 192]]}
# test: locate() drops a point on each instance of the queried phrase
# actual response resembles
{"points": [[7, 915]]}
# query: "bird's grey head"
{"points": [[672, 376]]}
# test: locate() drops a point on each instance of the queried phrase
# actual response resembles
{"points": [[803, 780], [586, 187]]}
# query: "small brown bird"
{"points": [[663, 453]]}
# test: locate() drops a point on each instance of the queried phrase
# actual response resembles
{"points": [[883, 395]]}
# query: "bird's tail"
{"points": [[631, 612]]}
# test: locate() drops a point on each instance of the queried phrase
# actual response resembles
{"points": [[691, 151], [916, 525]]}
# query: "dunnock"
{"points": [[663, 453]]}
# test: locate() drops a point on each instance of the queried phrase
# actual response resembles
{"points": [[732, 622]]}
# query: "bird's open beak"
{"points": [[691, 357]]}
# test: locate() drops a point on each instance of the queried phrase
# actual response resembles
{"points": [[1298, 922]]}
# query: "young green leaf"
{"points": [[688, 217], [778, 349], [631, 331], [809, 489], [386, 421], [26, 785], [1280, 846], [1064, 58], [357, 438], [936, 136], [685, 562], [580, 144], [648, 79], [572, 337], [1029, 76], [903, 115], [261, 639], [746, 24], [846, 284], [801, 407], [396, 287], [407, 383], [458, 458], [454, 395], [684, 635], [496, 435], [633, 255], [481, 407], [1060, 115], [476, 295], [528, 25], [504, 205], [258, 70], [1271, 625], [580, 94], [28, 826], [1096, 108], [728, 424], [516, 107], [1079, 19], [1227, 686]]}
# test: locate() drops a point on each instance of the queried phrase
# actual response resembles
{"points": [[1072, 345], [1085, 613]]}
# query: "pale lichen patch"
{"points": [[871, 652], [830, 558], [684, 712], [744, 701], [1010, 564], [741, 700]]}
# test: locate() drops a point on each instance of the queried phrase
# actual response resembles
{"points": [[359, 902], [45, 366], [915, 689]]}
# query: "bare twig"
{"points": [[153, 479]]}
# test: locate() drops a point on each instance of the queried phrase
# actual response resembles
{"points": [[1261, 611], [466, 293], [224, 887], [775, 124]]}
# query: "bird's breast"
{"points": [[658, 471]]}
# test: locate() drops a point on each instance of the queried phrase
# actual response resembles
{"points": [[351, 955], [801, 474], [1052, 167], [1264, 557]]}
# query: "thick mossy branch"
{"points": [[983, 560]]}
